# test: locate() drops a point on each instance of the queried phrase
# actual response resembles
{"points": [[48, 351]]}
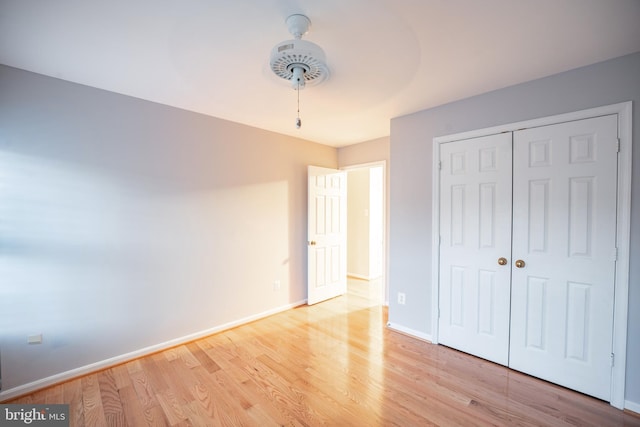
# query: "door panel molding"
{"points": [[565, 233], [475, 212], [326, 234], [624, 112]]}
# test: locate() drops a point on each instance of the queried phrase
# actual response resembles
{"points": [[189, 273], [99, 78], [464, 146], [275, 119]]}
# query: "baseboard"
{"points": [[411, 332], [358, 276], [632, 406], [363, 277], [117, 360]]}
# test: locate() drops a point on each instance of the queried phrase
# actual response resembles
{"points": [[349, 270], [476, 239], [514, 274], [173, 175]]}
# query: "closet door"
{"points": [[564, 228], [475, 246]]}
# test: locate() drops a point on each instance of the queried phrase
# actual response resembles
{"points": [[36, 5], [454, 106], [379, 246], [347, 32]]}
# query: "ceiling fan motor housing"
{"points": [[292, 59], [308, 56]]}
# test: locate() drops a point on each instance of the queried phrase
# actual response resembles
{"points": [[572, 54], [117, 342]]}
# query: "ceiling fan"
{"points": [[298, 61]]}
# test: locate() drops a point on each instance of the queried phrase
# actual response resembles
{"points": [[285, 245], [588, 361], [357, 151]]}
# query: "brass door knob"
{"points": [[520, 263], [502, 261], [312, 243]]}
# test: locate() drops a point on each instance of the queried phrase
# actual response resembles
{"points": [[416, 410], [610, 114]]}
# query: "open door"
{"points": [[327, 234]]}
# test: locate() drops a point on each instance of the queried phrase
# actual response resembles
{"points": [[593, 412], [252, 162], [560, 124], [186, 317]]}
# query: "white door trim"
{"points": [[624, 112]]}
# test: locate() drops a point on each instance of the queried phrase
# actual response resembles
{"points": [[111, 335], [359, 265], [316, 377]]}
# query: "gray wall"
{"points": [[609, 82], [125, 224]]}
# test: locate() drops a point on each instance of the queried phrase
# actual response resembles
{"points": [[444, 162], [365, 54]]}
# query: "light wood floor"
{"points": [[333, 364]]}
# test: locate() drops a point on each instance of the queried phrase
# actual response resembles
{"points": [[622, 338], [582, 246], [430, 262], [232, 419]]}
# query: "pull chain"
{"points": [[298, 121]]}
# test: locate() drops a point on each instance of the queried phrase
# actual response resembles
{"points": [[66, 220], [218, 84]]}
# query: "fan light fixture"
{"points": [[299, 61]]}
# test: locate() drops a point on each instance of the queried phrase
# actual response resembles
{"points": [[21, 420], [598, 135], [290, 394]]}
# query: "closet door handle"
{"points": [[502, 261], [520, 263]]}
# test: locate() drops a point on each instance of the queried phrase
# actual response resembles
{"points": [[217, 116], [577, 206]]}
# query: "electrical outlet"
{"points": [[401, 298], [34, 339], [276, 285]]}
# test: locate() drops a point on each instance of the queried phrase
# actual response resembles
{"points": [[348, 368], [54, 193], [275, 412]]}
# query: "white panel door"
{"points": [[475, 233], [564, 228], [327, 234]]}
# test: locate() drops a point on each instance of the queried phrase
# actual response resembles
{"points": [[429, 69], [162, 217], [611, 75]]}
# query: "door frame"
{"points": [[621, 285], [385, 223]]}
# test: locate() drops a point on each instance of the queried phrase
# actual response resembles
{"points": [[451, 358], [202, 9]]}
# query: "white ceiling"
{"points": [[387, 57]]}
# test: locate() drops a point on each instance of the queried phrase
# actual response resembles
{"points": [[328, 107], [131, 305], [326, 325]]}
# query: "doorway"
{"points": [[366, 226]]}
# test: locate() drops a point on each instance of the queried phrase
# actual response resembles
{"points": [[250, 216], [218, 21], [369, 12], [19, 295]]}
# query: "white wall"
{"points": [[358, 230], [125, 224], [606, 83]]}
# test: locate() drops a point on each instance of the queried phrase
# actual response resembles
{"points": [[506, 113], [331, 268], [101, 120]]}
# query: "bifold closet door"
{"points": [[564, 228], [475, 245]]}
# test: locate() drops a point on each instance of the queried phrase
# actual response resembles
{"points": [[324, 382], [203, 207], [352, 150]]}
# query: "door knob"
{"points": [[502, 261], [312, 243], [520, 263]]}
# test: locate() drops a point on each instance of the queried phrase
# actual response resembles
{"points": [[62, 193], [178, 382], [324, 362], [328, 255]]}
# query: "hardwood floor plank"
{"points": [[134, 366], [92, 401], [281, 394], [146, 394], [113, 412], [173, 374], [331, 400], [334, 363], [72, 395], [154, 375], [132, 409], [227, 408], [197, 416], [53, 394], [204, 398], [121, 376], [154, 416], [208, 363], [171, 407], [254, 396]]}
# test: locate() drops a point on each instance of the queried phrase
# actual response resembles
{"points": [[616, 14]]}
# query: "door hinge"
{"points": [[439, 165], [438, 312], [615, 254], [618, 146], [612, 359]]}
